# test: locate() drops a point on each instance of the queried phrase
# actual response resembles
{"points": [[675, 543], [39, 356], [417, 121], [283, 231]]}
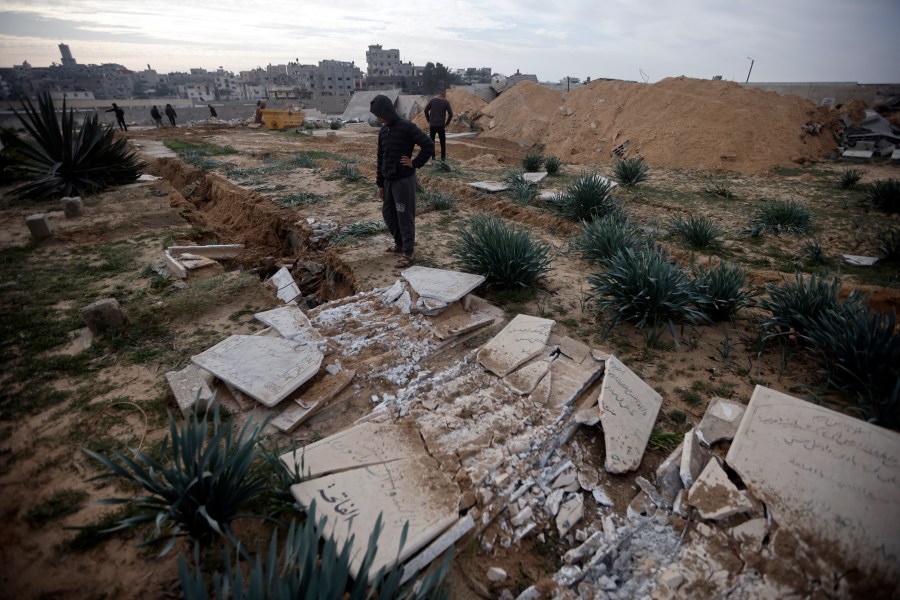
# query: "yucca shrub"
{"points": [[884, 194], [589, 197], [436, 200], [532, 162], [522, 190], [722, 290], [643, 287], [349, 172], [630, 171], [359, 229], [308, 570], [858, 350], [552, 164], [698, 231], [601, 239], [62, 159], [784, 216], [793, 304], [505, 254], [889, 245], [813, 252], [849, 178], [335, 124], [205, 474], [442, 165], [721, 190]]}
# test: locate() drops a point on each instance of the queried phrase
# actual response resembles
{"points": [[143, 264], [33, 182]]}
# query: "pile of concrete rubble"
{"points": [[473, 437]]}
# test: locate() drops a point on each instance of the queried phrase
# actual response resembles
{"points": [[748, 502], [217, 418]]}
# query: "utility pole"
{"points": [[751, 68]]}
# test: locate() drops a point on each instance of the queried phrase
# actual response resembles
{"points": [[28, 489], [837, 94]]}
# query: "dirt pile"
{"points": [[677, 122], [466, 108]]}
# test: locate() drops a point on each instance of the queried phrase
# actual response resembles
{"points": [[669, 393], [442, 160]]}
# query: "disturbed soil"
{"points": [[694, 135]]}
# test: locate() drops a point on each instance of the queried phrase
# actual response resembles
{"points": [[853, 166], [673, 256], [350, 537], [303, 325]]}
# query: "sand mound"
{"points": [[677, 122], [463, 104]]}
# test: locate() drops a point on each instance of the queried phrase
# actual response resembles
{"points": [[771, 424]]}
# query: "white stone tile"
{"points": [[463, 526], [693, 458], [721, 421], [489, 186], [190, 389], [571, 379], [534, 177], [520, 341], [570, 513], [267, 369], [440, 284], [628, 409], [285, 287], [831, 476], [302, 409], [574, 349], [291, 323], [525, 379], [859, 261]]}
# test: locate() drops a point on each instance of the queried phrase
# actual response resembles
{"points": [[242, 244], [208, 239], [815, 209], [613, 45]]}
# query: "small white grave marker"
{"points": [[520, 341]]}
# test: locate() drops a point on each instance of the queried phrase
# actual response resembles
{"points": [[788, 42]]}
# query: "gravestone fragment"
{"points": [[489, 186], [291, 323], [720, 422], [693, 458], [191, 390], [571, 379], [441, 284], [525, 379], [39, 226], [668, 476], [715, 497], [522, 339], [304, 408], [72, 206], [570, 513], [285, 287], [628, 409], [103, 315]]}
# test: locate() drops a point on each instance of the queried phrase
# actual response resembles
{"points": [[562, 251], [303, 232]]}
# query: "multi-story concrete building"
{"points": [[381, 62]]}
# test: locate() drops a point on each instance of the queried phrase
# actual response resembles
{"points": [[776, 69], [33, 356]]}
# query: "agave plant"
{"points": [[814, 252], [602, 238], [889, 242], [436, 200], [204, 476], [884, 194], [532, 162], [699, 232], [359, 229], [310, 571], [630, 171], [552, 164], [794, 304], [348, 171], [784, 216], [849, 178], [643, 287], [588, 198], [722, 290], [522, 190], [64, 160], [506, 255]]}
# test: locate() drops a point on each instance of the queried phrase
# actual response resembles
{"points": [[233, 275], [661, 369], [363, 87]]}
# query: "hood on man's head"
{"points": [[382, 106]]}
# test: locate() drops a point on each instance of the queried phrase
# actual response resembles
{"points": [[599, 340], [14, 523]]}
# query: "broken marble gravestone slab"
{"points": [[522, 339], [440, 284], [833, 477]]}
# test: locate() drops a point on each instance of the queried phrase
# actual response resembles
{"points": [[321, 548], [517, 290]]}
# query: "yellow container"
{"points": [[282, 119]]}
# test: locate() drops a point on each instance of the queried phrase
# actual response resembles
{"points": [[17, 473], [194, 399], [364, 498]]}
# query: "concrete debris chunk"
{"points": [[392, 293], [521, 517], [628, 409], [715, 497], [463, 526], [103, 315], [751, 533], [303, 409], [39, 227], [570, 513], [586, 549], [601, 497], [267, 369], [541, 394], [191, 390], [570, 380], [459, 324], [72, 206], [291, 323], [640, 506], [440, 284], [496, 575], [574, 349], [720, 422], [525, 379], [693, 458], [823, 474], [668, 476], [520, 341], [285, 287]]}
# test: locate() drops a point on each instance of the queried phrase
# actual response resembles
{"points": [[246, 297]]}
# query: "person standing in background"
{"points": [[438, 113], [157, 118], [170, 112], [212, 112], [120, 116]]}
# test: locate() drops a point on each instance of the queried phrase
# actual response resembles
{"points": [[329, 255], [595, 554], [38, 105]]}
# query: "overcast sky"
{"points": [[790, 40]]}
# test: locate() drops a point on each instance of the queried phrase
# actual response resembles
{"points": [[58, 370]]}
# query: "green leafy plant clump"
{"points": [[722, 290], [506, 255], [698, 231], [849, 178], [359, 229], [784, 216], [601, 239], [552, 164], [522, 191], [589, 197], [631, 171], [204, 476], [349, 172], [889, 245], [813, 252], [60, 504], [794, 304], [532, 162], [437, 200], [884, 195], [62, 159]]}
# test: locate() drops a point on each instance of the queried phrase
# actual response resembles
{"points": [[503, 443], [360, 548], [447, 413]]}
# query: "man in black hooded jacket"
{"points": [[396, 174]]}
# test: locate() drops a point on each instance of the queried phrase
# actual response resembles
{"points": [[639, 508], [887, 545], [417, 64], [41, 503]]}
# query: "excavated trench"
{"points": [[273, 236]]}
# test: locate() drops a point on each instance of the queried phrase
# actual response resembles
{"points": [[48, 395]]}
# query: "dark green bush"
{"points": [[722, 290], [601, 239], [889, 242], [630, 171], [552, 164], [522, 190], [588, 198], [64, 160], [644, 288], [784, 216], [532, 162], [335, 124], [849, 178], [310, 571], [814, 252], [698, 232], [437, 200], [884, 194], [794, 304], [721, 190], [198, 485], [506, 255]]}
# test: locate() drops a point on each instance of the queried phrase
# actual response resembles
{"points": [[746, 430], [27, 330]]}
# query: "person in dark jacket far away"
{"points": [[439, 114], [170, 112], [212, 112], [396, 175], [120, 116], [157, 118]]}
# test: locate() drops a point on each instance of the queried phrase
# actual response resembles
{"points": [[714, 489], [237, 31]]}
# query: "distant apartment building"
{"points": [[381, 62]]}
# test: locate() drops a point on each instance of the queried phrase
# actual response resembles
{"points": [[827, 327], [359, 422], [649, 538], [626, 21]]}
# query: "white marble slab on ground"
{"points": [[190, 388], [834, 477], [412, 491], [489, 186], [266, 368], [859, 261], [628, 409], [571, 379], [291, 323], [525, 379], [522, 339], [285, 287], [534, 177], [441, 284]]}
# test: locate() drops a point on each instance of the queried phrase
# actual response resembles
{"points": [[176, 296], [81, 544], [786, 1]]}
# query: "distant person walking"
{"points": [[120, 116], [170, 112], [260, 107], [212, 112], [438, 113], [396, 175], [157, 118]]}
